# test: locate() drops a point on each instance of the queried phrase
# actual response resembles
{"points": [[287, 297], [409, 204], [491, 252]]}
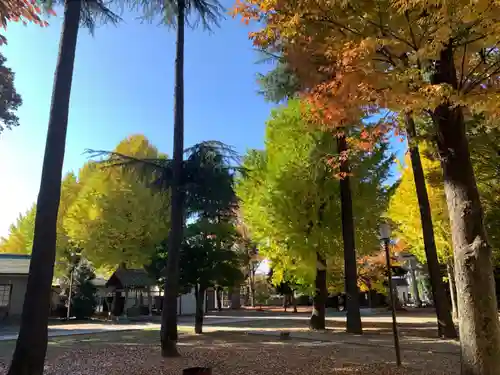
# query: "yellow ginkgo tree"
{"points": [[405, 213], [116, 217]]}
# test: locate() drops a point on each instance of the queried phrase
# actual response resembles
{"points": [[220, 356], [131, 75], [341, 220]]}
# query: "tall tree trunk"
{"points": [[31, 346], [206, 301], [169, 313], [477, 305], [446, 328], [198, 320], [350, 266], [218, 295], [294, 302], [317, 320], [453, 288], [285, 302]]}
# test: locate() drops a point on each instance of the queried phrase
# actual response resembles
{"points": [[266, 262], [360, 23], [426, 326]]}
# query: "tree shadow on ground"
{"points": [[138, 353]]}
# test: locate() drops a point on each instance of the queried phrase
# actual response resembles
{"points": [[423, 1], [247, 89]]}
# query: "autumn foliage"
{"points": [[367, 55], [20, 11], [408, 58]]}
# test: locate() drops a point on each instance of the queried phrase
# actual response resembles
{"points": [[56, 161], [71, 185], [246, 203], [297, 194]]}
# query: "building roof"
{"points": [[14, 264], [399, 281], [130, 278], [99, 282]]}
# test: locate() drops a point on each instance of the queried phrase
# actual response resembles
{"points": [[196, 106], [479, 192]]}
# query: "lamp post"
{"points": [[385, 235]]}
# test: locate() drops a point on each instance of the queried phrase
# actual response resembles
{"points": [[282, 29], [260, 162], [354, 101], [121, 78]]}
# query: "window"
{"points": [[5, 290]]}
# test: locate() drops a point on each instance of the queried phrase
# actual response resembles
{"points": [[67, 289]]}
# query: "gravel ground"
{"points": [[228, 353]]}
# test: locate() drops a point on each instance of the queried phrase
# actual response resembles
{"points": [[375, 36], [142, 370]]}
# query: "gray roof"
{"points": [[99, 282], [130, 278], [14, 264]]}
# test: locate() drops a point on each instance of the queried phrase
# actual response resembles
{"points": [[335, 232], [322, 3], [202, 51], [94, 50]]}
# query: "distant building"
{"points": [[131, 292], [14, 269]]}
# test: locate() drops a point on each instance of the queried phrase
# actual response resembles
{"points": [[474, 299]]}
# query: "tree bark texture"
{"points": [[353, 324], [31, 346], [169, 312], [317, 320], [453, 288], [218, 296], [446, 328], [198, 320], [477, 304], [294, 302]]}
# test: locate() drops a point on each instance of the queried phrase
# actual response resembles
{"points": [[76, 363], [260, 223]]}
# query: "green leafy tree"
{"points": [[33, 331], [486, 162], [207, 192], [207, 260], [286, 288], [208, 176], [83, 293], [251, 260], [280, 84], [290, 199], [10, 99]]}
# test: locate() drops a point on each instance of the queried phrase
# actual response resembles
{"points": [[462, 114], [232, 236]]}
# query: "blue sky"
{"points": [[123, 85]]}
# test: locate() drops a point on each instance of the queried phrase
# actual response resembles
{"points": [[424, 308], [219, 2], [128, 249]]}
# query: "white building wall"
{"points": [[186, 304], [19, 283]]}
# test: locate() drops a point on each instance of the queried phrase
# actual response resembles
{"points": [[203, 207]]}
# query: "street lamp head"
{"points": [[385, 231]]}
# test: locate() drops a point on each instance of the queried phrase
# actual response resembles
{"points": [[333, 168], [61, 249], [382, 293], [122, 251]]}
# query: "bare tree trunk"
{"points": [[446, 328], [317, 320], [198, 320], [353, 324], [477, 305], [31, 346], [206, 301], [294, 302], [453, 288], [285, 302], [218, 295], [169, 313]]}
